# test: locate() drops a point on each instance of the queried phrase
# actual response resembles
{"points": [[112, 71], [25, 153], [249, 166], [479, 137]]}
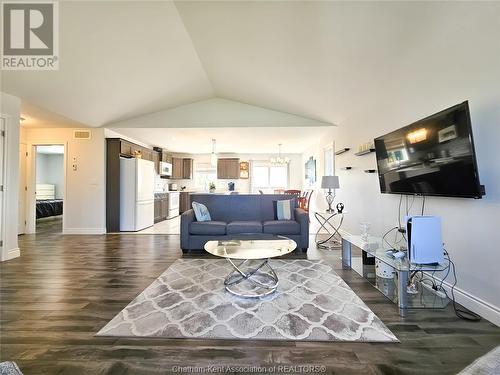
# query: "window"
{"points": [[268, 177], [204, 174], [329, 160]]}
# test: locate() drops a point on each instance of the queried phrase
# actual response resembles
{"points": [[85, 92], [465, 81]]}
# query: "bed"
{"points": [[46, 204]]}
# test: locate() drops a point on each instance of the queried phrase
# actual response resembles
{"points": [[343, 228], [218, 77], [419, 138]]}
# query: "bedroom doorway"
{"points": [[49, 188]]}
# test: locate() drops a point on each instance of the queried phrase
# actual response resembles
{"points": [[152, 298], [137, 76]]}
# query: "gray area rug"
{"points": [[9, 368], [488, 364], [189, 300]]}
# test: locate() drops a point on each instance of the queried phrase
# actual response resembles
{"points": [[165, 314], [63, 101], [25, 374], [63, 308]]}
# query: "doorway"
{"points": [[49, 188]]}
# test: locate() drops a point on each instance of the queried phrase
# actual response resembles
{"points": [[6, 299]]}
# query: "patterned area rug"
{"points": [[312, 303], [9, 368], [488, 364]]}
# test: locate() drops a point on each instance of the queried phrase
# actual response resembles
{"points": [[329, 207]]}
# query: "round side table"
{"points": [[326, 222]]}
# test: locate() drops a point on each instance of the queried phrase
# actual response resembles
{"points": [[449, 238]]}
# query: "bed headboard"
{"points": [[45, 191]]}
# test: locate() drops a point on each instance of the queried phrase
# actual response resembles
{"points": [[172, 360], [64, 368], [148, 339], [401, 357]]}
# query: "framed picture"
{"points": [[310, 168], [244, 170]]}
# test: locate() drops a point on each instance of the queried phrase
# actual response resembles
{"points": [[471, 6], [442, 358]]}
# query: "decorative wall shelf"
{"points": [[370, 170], [342, 150], [346, 168], [364, 152]]}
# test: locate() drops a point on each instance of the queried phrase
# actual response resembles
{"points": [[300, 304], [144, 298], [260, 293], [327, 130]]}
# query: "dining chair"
{"points": [[293, 192]]}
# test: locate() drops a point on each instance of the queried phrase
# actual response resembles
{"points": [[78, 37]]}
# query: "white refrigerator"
{"points": [[136, 194]]}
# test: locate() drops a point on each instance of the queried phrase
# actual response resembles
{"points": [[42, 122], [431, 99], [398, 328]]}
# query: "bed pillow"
{"points": [[284, 209], [201, 212]]}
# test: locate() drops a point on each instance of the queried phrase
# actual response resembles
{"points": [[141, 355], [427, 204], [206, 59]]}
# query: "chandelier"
{"points": [[279, 160], [213, 155]]}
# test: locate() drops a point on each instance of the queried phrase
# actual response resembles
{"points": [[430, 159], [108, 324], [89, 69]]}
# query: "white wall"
{"points": [[318, 202], [461, 64], [10, 111], [50, 170], [216, 112], [85, 187]]}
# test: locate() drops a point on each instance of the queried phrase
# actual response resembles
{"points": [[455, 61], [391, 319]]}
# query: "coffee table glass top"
{"points": [[251, 246]]}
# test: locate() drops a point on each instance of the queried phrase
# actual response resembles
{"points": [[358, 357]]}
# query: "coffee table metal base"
{"points": [[265, 283]]}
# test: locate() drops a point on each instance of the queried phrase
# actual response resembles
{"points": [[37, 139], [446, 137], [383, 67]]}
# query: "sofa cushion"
{"points": [[201, 212], [281, 227], [207, 227], [235, 227], [284, 209]]}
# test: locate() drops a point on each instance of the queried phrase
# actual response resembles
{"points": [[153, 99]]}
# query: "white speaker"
{"points": [[425, 244]]}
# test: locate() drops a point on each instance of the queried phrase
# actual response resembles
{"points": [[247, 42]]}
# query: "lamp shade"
{"points": [[330, 182]]}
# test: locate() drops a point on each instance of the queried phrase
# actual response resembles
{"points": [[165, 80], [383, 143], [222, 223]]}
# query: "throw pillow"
{"points": [[201, 212], [284, 209]]}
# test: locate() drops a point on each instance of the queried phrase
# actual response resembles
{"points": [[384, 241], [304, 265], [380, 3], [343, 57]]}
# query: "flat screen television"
{"points": [[433, 156]]}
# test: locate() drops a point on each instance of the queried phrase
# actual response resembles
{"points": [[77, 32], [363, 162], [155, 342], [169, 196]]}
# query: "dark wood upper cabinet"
{"points": [[156, 160], [125, 148], [167, 158], [187, 168], [182, 168], [177, 168], [228, 168]]}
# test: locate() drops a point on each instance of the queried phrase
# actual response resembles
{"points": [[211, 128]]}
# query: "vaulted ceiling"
{"points": [[318, 60]]}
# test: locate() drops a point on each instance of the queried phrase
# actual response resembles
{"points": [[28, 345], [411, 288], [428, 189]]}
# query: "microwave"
{"points": [[165, 169]]}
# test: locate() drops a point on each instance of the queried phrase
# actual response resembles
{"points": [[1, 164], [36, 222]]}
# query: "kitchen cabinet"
{"points": [[182, 168], [177, 168], [160, 207], [156, 161], [157, 210], [187, 168], [129, 149], [184, 201], [167, 158], [126, 148], [147, 154], [228, 168]]}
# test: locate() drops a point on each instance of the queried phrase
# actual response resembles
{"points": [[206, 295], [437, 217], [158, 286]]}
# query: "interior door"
{"points": [[22, 189]]}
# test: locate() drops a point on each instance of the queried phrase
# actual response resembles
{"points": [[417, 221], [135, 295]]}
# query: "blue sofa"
{"points": [[238, 214]]}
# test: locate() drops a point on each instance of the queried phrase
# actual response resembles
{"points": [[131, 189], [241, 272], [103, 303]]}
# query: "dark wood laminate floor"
{"points": [[63, 289]]}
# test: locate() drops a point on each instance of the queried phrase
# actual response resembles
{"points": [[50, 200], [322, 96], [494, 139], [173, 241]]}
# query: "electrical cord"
{"points": [[423, 204], [461, 313], [399, 211], [385, 235]]}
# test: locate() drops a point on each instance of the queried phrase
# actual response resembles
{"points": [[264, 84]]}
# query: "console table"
{"points": [[393, 288]]}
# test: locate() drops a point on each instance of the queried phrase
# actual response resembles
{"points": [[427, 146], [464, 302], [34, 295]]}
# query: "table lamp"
{"points": [[330, 182]]}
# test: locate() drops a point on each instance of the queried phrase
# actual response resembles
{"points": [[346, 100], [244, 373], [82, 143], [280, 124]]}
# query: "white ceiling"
{"points": [[229, 139], [118, 59], [322, 60]]}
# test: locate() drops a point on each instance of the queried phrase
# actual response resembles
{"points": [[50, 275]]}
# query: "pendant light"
{"points": [[213, 156]]}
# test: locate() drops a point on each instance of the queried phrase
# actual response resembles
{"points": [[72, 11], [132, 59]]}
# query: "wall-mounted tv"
{"points": [[433, 156]]}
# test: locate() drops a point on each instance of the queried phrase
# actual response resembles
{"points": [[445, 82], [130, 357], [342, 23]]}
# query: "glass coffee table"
{"points": [[252, 275]]}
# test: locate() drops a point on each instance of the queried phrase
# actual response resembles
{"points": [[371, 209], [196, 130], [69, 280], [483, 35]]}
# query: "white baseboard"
{"points": [[477, 305], [11, 254], [84, 231]]}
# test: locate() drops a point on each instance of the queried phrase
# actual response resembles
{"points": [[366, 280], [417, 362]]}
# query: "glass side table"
{"points": [[327, 221], [396, 288]]}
